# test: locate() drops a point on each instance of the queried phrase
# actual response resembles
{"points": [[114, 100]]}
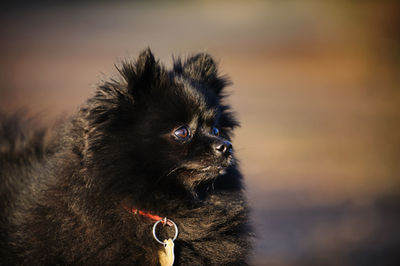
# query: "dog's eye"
{"points": [[182, 133], [215, 131]]}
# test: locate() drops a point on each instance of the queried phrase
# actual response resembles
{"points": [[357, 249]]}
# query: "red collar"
{"points": [[149, 215]]}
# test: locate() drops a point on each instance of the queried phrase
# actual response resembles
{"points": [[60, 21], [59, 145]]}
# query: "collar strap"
{"points": [[149, 215]]}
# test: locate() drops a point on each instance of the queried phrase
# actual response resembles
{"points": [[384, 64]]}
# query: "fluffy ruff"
{"points": [[154, 139]]}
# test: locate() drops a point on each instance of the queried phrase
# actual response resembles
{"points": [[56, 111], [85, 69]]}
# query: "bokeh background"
{"points": [[315, 85]]}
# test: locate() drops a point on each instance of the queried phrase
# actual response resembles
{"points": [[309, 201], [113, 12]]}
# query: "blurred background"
{"points": [[315, 85]]}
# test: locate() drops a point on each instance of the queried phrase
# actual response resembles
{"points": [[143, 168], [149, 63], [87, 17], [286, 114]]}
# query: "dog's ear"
{"points": [[201, 68], [142, 75]]}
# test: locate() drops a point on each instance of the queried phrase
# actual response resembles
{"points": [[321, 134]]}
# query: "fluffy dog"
{"points": [[153, 143]]}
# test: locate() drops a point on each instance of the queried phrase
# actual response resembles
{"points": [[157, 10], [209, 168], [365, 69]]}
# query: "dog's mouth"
{"points": [[208, 165], [197, 172], [213, 169], [197, 177]]}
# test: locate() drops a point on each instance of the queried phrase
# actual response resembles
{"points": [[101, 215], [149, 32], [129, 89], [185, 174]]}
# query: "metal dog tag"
{"points": [[166, 255]]}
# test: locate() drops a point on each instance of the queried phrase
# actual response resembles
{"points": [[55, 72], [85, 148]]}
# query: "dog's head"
{"points": [[164, 127]]}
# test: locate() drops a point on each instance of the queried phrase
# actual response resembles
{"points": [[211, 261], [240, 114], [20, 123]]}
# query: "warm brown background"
{"points": [[316, 86]]}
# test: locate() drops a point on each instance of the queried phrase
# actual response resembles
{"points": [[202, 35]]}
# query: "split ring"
{"points": [[155, 226]]}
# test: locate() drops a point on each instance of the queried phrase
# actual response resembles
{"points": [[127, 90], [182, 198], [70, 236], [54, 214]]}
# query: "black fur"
{"points": [[64, 202]]}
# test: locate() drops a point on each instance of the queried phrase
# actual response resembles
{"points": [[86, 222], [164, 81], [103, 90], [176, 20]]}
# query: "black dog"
{"points": [[153, 144]]}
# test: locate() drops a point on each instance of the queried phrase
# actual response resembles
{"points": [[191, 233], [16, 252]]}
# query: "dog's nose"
{"points": [[223, 147]]}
